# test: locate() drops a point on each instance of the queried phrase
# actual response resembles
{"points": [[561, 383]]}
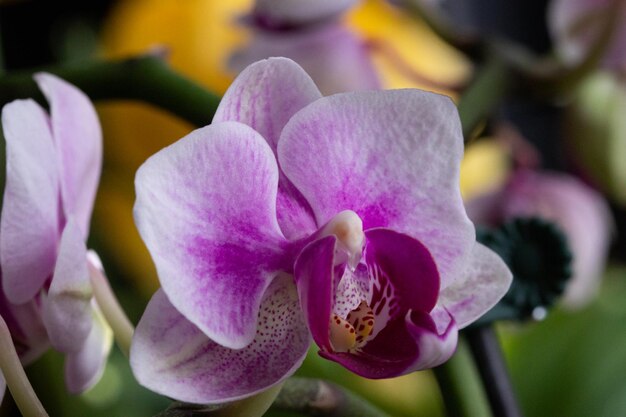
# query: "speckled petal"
{"points": [[84, 368], [206, 209], [265, 96], [405, 345], [393, 157], [78, 138], [171, 356], [66, 307], [29, 228]]}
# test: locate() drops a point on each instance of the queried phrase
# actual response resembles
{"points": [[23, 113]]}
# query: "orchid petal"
{"points": [[66, 308], [265, 96], [386, 356], [403, 346], [27, 330], [392, 157], [582, 214], [171, 356], [485, 280], [78, 138], [314, 274], [84, 368], [297, 12], [206, 209], [29, 228], [436, 344], [408, 265], [335, 58], [575, 26]]}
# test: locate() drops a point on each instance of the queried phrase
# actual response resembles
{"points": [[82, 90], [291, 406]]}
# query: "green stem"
{"points": [[487, 353], [254, 406], [461, 387], [15, 377], [490, 85], [315, 397], [111, 309], [147, 78]]}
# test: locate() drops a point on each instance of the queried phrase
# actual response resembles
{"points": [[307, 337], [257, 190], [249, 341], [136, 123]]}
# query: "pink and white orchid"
{"points": [[53, 168], [295, 215], [310, 33]]}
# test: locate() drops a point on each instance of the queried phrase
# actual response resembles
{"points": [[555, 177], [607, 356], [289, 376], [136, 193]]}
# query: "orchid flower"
{"points": [[53, 168], [295, 215], [576, 24], [582, 214], [311, 34]]}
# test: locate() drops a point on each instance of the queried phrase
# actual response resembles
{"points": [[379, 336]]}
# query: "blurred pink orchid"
{"points": [[579, 211], [311, 34], [53, 168], [576, 24], [294, 215]]}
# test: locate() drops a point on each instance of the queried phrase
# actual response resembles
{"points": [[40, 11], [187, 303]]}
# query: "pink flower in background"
{"points": [[581, 213], [53, 168], [310, 33], [295, 215], [575, 26]]}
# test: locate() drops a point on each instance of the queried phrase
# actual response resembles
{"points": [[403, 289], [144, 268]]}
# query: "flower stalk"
{"points": [[314, 397], [115, 316], [460, 385], [487, 353], [146, 78], [16, 379]]}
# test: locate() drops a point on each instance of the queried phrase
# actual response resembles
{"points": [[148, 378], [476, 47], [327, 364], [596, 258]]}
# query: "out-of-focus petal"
{"points": [[335, 58], [582, 214], [486, 279], [84, 368], [206, 209], [173, 357], [27, 330], [3, 387], [392, 157], [78, 138], [66, 307], [575, 26], [265, 96], [29, 228], [296, 12]]}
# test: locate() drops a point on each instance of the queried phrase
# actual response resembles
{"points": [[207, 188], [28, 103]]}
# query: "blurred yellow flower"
{"points": [[200, 35]]}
